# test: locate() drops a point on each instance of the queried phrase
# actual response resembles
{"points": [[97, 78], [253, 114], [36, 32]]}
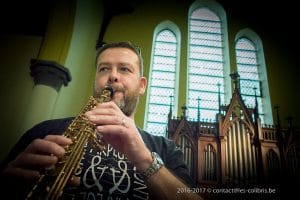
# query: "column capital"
{"points": [[49, 73]]}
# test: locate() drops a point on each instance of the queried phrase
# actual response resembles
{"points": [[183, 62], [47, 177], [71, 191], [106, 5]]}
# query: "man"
{"points": [[130, 167]]}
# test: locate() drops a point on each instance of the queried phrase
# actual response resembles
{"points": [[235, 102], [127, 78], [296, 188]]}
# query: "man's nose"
{"points": [[113, 76]]}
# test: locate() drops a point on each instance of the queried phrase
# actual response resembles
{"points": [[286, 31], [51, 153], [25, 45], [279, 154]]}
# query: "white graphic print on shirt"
{"points": [[107, 175]]}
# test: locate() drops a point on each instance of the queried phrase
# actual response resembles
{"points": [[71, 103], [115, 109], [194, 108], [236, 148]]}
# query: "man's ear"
{"points": [[143, 85]]}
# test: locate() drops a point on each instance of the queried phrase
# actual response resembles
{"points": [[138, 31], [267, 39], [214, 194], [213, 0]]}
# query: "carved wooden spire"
{"points": [[184, 108], [236, 80], [171, 106], [198, 110]]}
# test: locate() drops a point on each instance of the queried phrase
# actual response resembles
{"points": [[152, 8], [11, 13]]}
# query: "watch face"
{"points": [[155, 166], [157, 158]]}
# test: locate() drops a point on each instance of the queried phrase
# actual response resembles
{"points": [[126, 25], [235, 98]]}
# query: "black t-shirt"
{"points": [[106, 174]]}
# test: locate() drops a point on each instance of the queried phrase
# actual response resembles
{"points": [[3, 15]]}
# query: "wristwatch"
{"points": [[154, 167]]}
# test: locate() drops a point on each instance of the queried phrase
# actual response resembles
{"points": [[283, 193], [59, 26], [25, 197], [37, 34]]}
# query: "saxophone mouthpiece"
{"points": [[110, 89]]}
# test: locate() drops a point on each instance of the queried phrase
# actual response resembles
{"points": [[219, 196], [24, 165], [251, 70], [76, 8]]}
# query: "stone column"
{"points": [[48, 69], [48, 79]]}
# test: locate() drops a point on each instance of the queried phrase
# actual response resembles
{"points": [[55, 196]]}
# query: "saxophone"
{"points": [[51, 184]]}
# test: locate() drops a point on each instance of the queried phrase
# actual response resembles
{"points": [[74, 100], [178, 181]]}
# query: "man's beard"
{"points": [[127, 104]]}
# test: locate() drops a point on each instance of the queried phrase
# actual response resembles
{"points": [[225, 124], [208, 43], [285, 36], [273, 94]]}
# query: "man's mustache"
{"points": [[118, 89]]}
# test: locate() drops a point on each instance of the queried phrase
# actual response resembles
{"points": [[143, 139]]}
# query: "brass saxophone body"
{"points": [[51, 184]]}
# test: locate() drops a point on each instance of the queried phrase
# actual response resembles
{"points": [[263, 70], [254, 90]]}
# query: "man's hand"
{"points": [[120, 131], [39, 155]]}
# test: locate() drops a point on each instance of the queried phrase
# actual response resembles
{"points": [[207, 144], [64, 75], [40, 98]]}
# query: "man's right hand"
{"points": [[39, 155]]}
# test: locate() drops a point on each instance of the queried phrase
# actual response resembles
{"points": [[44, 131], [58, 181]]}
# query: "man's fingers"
{"points": [[59, 139], [29, 160], [42, 146], [74, 181]]}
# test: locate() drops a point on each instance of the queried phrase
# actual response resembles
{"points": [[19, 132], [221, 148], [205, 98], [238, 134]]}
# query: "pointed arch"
{"points": [[292, 161], [187, 146], [273, 165], [209, 163]]}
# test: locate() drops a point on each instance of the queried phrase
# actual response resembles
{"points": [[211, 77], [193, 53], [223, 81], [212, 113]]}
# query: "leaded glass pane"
{"points": [[157, 118], [206, 115], [207, 100], [162, 82], [205, 51], [156, 128], [204, 14], [205, 36], [247, 66], [164, 67], [164, 60], [166, 36], [157, 99], [248, 87], [163, 92], [245, 44], [246, 59], [206, 55], [159, 109], [163, 75], [209, 28], [205, 70], [205, 87], [206, 64], [167, 83]]}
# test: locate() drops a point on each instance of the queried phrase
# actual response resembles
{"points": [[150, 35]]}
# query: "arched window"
{"points": [[273, 166], [163, 78], [208, 59], [292, 160], [253, 76], [209, 163], [187, 147]]}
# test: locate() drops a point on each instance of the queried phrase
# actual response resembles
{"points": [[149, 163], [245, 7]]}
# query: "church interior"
{"points": [[238, 148]]}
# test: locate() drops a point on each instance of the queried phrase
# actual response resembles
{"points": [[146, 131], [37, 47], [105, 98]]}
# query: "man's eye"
{"points": [[103, 69], [125, 69]]}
